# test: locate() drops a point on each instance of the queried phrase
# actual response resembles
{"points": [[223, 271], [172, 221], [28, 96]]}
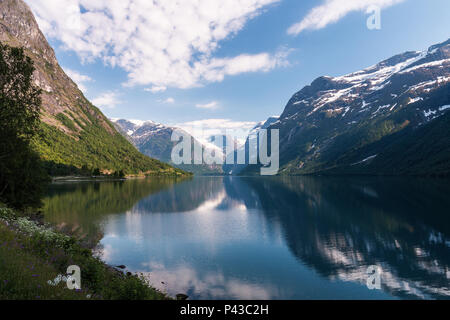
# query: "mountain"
{"points": [[74, 132], [219, 143], [389, 119], [154, 140], [264, 124], [236, 169]]}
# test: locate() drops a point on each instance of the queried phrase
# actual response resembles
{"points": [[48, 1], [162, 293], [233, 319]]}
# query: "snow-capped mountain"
{"points": [[154, 140], [264, 125], [400, 80], [141, 131], [359, 122]]}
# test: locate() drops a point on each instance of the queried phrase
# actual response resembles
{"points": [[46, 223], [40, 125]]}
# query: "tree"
{"points": [[85, 170], [119, 174], [22, 177]]}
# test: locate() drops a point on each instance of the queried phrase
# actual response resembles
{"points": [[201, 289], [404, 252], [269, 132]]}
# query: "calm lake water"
{"points": [[268, 238]]}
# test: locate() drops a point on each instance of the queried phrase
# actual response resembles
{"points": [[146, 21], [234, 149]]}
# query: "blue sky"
{"points": [[249, 70]]}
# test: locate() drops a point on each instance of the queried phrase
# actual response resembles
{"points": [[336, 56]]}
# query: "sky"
{"points": [[224, 64]]}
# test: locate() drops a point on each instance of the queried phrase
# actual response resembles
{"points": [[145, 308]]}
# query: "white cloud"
{"points": [[334, 10], [168, 100], [202, 130], [107, 100], [160, 44], [218, 124], [209, 106], [156, 89], [185, 278], [78, 78]]}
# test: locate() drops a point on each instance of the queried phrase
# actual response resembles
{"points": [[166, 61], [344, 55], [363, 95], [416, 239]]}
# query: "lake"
{"points": [[267, 237]]}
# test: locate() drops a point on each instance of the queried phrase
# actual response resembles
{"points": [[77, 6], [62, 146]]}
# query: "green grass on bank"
{"points": [[32, 254]]}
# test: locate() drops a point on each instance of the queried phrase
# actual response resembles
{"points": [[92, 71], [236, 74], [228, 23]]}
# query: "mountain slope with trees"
{"points": [[74, 133]]}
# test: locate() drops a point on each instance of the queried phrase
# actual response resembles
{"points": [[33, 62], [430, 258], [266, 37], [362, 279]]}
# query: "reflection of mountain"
{"points": [[204, 231], [182, 197], [239, 193], [82, 206], [341, 231]]}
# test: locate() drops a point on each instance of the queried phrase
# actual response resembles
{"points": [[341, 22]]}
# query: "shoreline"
{"points": [[37, 253], [85, 178]]}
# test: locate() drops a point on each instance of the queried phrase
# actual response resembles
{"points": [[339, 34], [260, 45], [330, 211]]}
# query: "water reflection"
{"points": [[341, 226], [269, 238]]}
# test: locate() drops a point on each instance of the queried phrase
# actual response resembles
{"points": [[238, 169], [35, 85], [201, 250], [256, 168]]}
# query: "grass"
{"points": [[31, 254], [24, 275]]}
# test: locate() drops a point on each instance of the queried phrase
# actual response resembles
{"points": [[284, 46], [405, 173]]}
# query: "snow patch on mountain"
{"points": [[429, 113], [414, 100], [378, 73], [426, 65], [365, 160]]}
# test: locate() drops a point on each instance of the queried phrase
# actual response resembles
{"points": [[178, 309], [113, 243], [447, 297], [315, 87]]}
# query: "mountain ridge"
{"points": [[333, 124]]}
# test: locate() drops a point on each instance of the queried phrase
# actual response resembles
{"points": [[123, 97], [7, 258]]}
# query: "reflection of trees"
{"points": [[340, 226], [79, 208]]}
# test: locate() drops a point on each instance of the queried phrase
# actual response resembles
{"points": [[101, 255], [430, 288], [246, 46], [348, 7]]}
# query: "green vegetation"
{"points": [[33, 254], [94, 148], [22, 178], [66, 121], [424, 151]]}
